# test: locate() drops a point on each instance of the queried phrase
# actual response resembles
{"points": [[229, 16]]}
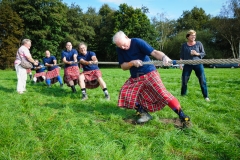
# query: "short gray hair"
{"points": [[119, 35], [82, 43], [24, 41]]}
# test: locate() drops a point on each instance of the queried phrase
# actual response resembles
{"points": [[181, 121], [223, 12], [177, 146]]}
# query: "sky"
{"points": [[173, 9]]}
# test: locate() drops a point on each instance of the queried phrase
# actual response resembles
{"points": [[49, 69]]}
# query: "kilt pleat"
{"points": [[91, 78], [148, 90], [53, 75], [71, 74]]}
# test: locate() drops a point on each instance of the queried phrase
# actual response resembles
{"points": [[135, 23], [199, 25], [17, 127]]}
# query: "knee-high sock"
{"points": [[139, 108], [59, 79], [176, 107], [48, 81]]}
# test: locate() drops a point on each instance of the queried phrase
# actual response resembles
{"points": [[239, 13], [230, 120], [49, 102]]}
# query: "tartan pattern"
{"points": [[71, 73], [40, 74], [91, 78], [53, 75], [148, 90]]}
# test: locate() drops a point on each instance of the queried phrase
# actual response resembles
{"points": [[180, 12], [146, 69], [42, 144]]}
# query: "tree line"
{"points": [[52, 23]]}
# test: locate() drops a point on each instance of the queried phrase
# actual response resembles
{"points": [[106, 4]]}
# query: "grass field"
{"points": [[52, 123]]}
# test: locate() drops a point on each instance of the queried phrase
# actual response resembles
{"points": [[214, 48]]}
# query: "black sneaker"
{"points": [[144, 117], [61, 85]]}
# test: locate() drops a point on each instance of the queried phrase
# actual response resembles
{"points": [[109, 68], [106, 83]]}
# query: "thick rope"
{"points": [[173, 62], [200, 61]]}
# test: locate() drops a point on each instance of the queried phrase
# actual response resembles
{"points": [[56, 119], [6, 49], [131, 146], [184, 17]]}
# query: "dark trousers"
{"points": [[199, 71]]}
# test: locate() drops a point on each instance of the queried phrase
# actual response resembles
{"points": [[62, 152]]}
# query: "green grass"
{"points": [[52, 123]]}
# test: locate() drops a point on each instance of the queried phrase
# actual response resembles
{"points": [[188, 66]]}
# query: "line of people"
{"points": [[144, 91], [90, 78]]}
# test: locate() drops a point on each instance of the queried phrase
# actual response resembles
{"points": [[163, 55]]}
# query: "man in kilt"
{"points": [[40, 74], [71, 70], [53, 71], [144, 90], [91, 76]]}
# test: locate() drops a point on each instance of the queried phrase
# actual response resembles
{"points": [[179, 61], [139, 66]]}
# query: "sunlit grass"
{"points": [[52, 123]]}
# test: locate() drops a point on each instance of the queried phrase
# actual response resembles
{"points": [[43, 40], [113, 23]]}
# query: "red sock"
{"points": [[174, 104]]}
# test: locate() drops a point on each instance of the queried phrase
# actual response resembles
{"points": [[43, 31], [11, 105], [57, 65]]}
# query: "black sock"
{"points": [[140, 108], [73, 89], [179, 112]]}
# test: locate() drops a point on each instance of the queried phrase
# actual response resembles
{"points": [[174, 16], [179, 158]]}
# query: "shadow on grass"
{"points": [[6, 89], [55, 90]]}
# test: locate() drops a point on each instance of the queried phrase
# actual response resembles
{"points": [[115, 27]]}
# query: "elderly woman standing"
{"points": [[193, 50], [23, 53]]}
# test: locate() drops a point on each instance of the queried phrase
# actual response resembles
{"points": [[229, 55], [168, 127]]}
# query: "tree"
{"points": [[134, 23], [105, 49], [11, 31], [164, 27], [77, 29], [92, 20], [227, 25], [195, 19], [44, 24]]}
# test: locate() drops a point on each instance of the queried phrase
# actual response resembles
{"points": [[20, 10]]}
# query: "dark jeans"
{"points": [[199, 71]]}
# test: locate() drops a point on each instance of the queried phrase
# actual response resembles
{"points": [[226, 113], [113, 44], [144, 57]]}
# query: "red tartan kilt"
{"points": [[40, 74], [91, 78], [71, 74], [52, 74], [148, 90]]}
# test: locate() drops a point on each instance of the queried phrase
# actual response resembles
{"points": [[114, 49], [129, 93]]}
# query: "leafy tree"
{"points": [[195, 19], [11, 31], [164, 27], [92, 20], [134, 23], [173, 45], [76, 28], [44, 22], [227, 25], [106, 49]]}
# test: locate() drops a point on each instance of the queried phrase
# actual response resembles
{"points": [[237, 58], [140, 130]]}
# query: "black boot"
{"points": [[182, 116], [185, 120]]}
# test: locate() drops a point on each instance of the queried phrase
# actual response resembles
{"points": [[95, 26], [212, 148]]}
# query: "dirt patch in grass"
{"points": [[175, 121]]}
